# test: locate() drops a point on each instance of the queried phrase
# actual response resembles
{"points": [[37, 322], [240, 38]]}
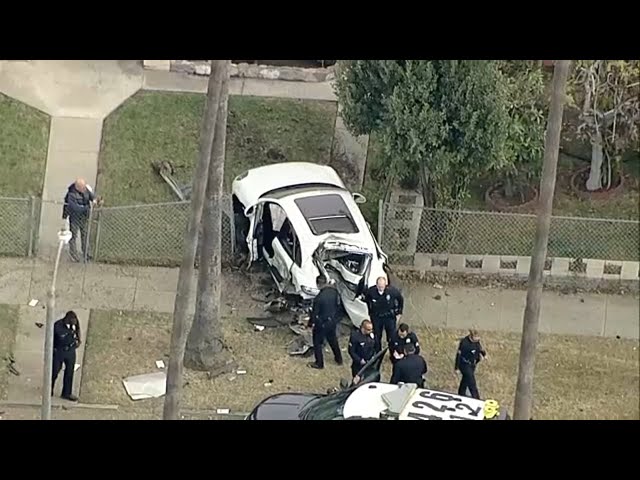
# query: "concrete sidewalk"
{"points": [[153, 289]]}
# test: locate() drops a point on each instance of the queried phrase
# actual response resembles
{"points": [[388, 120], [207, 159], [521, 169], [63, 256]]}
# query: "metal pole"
{"points": [[48, 341]]}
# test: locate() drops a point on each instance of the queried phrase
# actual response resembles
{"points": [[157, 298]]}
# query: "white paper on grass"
{"points": [[33, 303], [148, 385]]}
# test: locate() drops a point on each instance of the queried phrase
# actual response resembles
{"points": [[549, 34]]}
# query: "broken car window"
{"points": [[326, 214]]}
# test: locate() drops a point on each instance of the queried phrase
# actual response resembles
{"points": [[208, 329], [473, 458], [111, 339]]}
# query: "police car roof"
{"points": [[411, 403]]}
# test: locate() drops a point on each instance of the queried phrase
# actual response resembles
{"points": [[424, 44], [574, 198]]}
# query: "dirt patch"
{"points": [[579, 186], [8, 329], [499, 202]]}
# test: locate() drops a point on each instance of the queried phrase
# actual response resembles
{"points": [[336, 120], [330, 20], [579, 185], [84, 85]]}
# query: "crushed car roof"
{"points": [[254, 183]]}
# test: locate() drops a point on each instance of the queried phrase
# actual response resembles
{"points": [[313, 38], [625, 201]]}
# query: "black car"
{"points": [[315, 406]]}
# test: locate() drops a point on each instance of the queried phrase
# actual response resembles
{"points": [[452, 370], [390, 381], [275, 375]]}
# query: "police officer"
{"points": [[324, 321], [385, 304], [470, 352], [411, 368], [361, 346], [403, 336], [66, 339]]}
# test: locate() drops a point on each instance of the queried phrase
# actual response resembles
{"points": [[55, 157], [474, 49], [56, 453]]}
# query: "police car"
{"points": [[371, 399]]}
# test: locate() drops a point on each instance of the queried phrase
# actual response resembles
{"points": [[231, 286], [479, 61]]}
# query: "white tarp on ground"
{"points": [[149, 385]]}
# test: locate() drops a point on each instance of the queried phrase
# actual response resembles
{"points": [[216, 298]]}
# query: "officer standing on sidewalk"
{"points": [[66, 339], [385, 304], [325, 316], [470, 352]]}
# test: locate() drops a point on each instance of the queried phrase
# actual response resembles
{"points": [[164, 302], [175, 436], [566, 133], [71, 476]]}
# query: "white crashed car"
{"points": [[301, 219]]}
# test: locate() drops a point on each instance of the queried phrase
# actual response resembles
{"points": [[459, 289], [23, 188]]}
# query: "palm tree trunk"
{"points": [[205, 350], [180, 319]]}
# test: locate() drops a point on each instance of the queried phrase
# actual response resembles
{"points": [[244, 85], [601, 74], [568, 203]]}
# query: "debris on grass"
{"points": [[241, 372], [438, 286], [223, 411], [438, 297], [269, 383], [259, 328], [160, 364], [148, 385], [33, 302], [39, 325]]}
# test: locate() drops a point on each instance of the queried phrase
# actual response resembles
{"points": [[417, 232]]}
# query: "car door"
{"points": [[284, 248], [254, 213]]}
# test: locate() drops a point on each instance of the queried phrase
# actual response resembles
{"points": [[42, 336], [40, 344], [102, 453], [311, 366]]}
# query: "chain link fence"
{"points": [[148, 235], [406, 230], [18, 226]]}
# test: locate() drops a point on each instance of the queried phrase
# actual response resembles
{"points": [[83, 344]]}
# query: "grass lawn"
{"points": [[154, 126], [24, 139], [576, 378], [8, 329]]}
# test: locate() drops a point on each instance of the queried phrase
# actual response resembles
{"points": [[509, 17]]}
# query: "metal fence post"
{"points": [[32, 225], [96, 247], [232, 227], [380, 220]]}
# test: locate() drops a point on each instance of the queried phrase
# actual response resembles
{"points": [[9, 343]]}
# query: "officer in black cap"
{"points": [[470, 352], [385, 304], [66, 339], [411, 368], [324, 322], [361, 346]]}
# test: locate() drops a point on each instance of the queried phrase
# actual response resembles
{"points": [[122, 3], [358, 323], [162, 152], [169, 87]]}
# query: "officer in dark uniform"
{"points": [[66, 339], [470, 352], [411, 368], [325, 316], [403, 336], [361, 346], [385, 304]]}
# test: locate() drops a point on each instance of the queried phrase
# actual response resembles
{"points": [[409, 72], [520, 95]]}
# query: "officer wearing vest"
{"points": [[385, 304]]}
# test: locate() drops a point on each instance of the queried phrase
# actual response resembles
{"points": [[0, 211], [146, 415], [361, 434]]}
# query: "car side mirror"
{"points": [[359, 198], [344, 383]]}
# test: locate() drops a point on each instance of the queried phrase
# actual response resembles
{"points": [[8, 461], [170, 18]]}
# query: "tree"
{"points": [[205, 349], [441, 121], [609, 94], [524, 388], [180, 326], [521, 160]]}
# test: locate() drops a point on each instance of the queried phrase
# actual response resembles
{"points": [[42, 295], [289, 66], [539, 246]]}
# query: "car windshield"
{"points": [[330, 407], [327, 214]]}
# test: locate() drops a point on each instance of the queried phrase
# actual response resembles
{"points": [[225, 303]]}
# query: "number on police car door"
{"points": [[441, 406]]}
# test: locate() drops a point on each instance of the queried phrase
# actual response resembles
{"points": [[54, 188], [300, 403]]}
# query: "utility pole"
{"points": [[200, 177], [64, 236], [531, 321]]}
